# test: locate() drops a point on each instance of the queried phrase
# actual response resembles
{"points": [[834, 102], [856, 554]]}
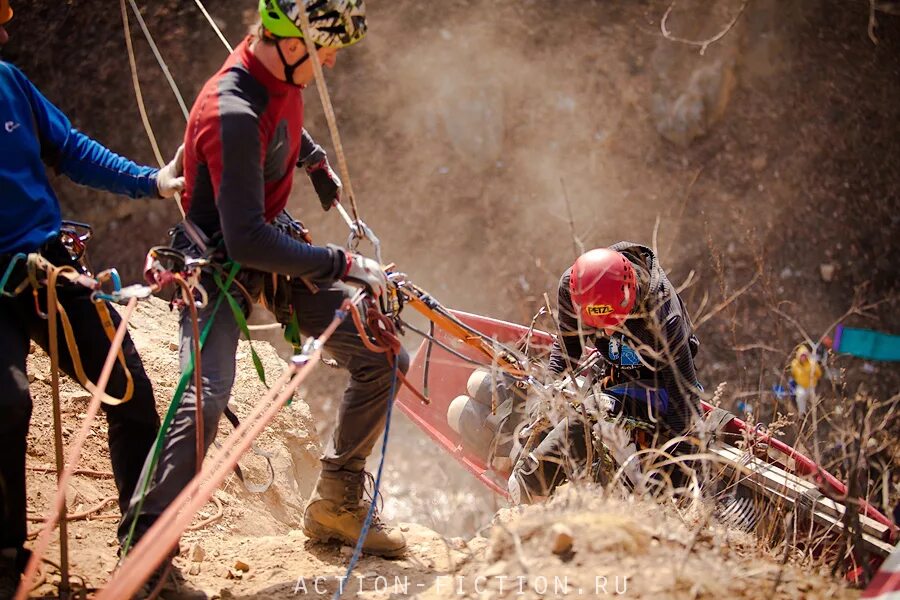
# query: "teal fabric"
{"points": [[872, 345]]}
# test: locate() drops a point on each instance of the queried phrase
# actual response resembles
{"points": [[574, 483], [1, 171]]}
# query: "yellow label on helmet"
{"points": [[598, 310]]}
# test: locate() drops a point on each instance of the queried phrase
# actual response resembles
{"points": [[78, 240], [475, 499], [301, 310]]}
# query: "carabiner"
{"points": [[17, 258], [111, 275]]}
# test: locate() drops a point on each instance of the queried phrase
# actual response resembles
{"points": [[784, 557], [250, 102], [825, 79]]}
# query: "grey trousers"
{"points": [[361, 415]]}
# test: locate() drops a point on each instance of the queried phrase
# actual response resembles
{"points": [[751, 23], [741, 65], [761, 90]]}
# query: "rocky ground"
{"points": [[247, 545]]}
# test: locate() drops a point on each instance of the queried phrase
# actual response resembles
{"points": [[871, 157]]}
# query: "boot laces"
{"points": [[369, 493]]}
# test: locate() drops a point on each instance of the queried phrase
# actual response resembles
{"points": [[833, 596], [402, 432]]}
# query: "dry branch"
{"points": [[702, 44]]}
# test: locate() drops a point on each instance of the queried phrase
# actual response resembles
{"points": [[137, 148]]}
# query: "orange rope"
{"points": [[159, 540], [59, 499], [188, 296], [383, 331]]}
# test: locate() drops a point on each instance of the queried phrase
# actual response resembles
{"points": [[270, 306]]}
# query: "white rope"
{"points": [[327, 107], [213, 24], [140, 97], [159, 58], [137, 86]]}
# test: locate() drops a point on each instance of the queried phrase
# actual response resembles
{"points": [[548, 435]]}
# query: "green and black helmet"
{"points": [[333, 23]]}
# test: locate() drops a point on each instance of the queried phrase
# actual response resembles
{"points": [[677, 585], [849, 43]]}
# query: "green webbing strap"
{"points": [[173, 408], [292, 333], [242, 323]]}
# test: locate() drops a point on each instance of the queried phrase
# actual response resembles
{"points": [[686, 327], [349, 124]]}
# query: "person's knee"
{"points": [[402, 358], [15, 401], [138, 411], [528, 483], [16, 409], [216, 392]]}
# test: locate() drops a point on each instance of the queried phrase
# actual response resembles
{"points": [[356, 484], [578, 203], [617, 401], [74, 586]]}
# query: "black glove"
{"points": [[326, 183]]}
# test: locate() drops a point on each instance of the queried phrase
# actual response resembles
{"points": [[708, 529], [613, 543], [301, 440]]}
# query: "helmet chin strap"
{"points": [[288, 67]]}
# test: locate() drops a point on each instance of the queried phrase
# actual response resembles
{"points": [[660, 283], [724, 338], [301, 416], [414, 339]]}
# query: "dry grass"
{"points": [[662, 552]]}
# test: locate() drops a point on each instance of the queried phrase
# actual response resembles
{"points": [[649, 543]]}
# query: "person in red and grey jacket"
{"points": [[243, 140]]}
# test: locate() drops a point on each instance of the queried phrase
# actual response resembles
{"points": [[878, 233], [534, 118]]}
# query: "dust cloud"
{"points": [[467, 124]]}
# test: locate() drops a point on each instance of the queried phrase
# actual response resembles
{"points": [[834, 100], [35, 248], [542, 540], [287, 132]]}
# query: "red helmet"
{"points": [[6, 12], [603, 287]]}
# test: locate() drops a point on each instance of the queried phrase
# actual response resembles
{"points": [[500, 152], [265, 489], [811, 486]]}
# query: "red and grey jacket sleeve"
{"points": [[234, 159], [566, 354], [310, 152]]}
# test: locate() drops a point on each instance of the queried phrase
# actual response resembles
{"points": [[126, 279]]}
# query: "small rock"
{"points": [[561, 539], [173, 346], [234, 574], [32, 348], [404, 528], [346, 551], [40, 377], [80, 396], [31, 378], [826, 270], [868, 368], [457, 543], [759, 162], [496, 569], [195, 568], [223, 572], [240, 565], [196, 553]]}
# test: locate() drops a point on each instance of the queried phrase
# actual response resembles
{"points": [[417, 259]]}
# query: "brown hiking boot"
{"points": [[337, 511]]}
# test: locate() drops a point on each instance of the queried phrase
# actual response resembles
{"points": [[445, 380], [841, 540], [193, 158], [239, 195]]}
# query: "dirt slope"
{"points": [[630, 543]]}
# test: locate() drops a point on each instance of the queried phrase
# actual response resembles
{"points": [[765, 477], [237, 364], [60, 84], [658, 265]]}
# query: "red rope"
{"points": [[386, 341]]}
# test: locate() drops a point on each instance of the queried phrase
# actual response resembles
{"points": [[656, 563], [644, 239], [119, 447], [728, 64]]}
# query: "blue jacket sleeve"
{"points": [[80, 158]]}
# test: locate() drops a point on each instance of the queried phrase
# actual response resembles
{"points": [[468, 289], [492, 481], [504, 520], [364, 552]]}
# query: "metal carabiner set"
{"points": [[162, 266]]}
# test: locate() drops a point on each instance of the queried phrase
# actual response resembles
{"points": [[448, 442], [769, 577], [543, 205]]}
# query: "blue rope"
{"points": [[368, 522]]}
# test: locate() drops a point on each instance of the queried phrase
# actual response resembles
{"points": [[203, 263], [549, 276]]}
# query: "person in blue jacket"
{"points": [[36, 136]]}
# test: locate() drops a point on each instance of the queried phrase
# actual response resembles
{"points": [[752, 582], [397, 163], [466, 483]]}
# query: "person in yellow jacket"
{"points": [[806, 371]]}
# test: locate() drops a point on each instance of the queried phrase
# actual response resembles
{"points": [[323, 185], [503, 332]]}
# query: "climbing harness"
{"points": [[40, 274], [359, 230]]}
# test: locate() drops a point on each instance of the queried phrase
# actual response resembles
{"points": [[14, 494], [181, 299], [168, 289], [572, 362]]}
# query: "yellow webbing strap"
{"points": [[37, 262]]}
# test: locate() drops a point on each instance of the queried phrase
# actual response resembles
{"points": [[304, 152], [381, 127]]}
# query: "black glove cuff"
{"points": [[340, 261], [316, 156]]}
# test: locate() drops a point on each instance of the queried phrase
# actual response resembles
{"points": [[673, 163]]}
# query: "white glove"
{"points": [[367, 273], [170, 179]]}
